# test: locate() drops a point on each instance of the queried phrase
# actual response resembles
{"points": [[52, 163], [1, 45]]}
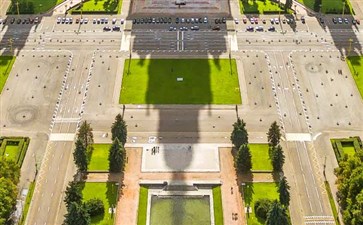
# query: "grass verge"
{"points": [[33, 6], [217, 205], [329, 7], [332, 203], [6, 63], [260, 157], [98, 6], [180, 81], [259, 7], [28, 200], [107, 193], [142, 209], [355, 64], [254, 191], [99, 158]]}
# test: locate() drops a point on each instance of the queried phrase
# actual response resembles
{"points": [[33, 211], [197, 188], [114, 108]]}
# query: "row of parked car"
{"points": [[260, 28], [194, 28], [69, 20], [254, 20], [114, 28], [28, 20], [343, 20]]}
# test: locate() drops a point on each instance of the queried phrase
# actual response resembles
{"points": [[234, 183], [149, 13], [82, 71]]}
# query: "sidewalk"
{"points": [[67, 4]]}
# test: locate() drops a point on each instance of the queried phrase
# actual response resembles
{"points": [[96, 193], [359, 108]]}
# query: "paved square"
{"points": [[180, 158]]}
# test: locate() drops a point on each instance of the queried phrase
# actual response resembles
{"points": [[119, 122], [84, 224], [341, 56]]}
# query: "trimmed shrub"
{"points": [[95, 207]]}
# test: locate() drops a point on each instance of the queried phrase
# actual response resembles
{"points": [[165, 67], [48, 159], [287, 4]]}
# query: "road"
{"points": [[176, 124]]}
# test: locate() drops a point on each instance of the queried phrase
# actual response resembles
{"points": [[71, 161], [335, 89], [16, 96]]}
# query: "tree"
{"points": [[9, 169], [80, 156], [278, 158], [277, 215], [95, 207], [119, 129], [77, 215], [284, 192], [274, 135], [239, 134], [8, 193], [288, 4], [262, 207], [85, 134], [244, 159], [116, 157], [73, 194]]}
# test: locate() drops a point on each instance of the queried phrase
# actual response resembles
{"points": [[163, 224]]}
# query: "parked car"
{"points": [[259, 28], [303, 19], [107, 29], [271, 28], [216, 28], [334, 20], [12, 20], [113, 20], [116, 28], [346, 21], [250, 29]]}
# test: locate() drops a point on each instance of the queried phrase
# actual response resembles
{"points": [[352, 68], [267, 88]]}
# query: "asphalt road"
{"points": [[175, 124]]}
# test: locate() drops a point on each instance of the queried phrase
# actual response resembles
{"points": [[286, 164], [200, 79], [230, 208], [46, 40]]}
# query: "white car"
{"points": [[122, 21], [85, 20], [236, 21], [59, 20], [277, 21], [94, 21], [114, 20]]}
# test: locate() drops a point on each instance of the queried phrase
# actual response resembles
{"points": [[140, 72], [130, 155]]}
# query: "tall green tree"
{"points": [[116, 157], [119, 129], [274, 135], [244, 159], [85, 134], [80, 156], [77, 215], [73, 194], [9, 169], [288, 4], [277, 215], [284, 192], [8, 193], [239, 134], [278, 158]]}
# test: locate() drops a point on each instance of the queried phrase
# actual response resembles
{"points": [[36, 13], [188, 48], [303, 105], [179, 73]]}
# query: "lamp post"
{"points": [[11, 41], [350, 46], [17, 8], [81, 8], [343, 9]]}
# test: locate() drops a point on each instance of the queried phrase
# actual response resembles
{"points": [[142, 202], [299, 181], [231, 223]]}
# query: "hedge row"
{"points": [[338, 146], [77, 12], [21, 142]]}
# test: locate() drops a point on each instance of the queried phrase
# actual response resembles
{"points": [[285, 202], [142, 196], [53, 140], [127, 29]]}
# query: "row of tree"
{"points": [[239, 138], [9, 178], [79, 212], [350, 188], [84, 146]]}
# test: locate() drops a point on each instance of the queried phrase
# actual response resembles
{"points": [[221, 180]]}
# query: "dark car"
{"points": [[12, 20], [18, 21], [321, 20], [177, 20], [272, 28], [334, 20], [216, 28], [303, 19], [249, 28], [106, 29], [116, 28]]}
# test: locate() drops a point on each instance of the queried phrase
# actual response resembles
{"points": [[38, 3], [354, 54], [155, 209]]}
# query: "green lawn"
{"points": [[205, 81], [11, 152], [34, 6], [260, 157], [217, 205], [328, 6], [332, 203], [92, 6], [6, 63], [142, 209], [28, 200], [254, 191], [99, 159], [259, 6], [107, 192], [355, 64]]}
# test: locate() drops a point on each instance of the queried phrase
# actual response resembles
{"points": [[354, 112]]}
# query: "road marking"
{"points": [[62, 137], [298, 137]]}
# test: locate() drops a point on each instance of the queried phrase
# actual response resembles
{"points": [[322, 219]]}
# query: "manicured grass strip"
{"points": [[259, 6], [254, 191], [6, 63], [204, 81], [98, 6], [332, 203], [355, 64], [107, 192], [260, 157], [28, 200], [328, 6], [217, 205], [142, 209], [34, 6], [99, 158], [11, 152]]}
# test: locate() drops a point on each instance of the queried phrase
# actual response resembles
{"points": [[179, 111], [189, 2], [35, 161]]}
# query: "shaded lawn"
{"points": [[6, 63], [217, 205], [107, 192], [205, 81], [142, 209], [39, 6], [100, 5], [181, 210], [11, 152], [355, 64], [260, 157], [258, 6], [99, 158], [327, 6], [254, 191], [349, 150]]}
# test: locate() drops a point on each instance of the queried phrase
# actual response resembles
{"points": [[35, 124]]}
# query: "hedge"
{"points": [[21, 142], [338, 145]]}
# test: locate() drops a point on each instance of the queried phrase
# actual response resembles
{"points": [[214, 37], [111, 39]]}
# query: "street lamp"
{"points": [[350, 46], [343, 9], [81, 8]]}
